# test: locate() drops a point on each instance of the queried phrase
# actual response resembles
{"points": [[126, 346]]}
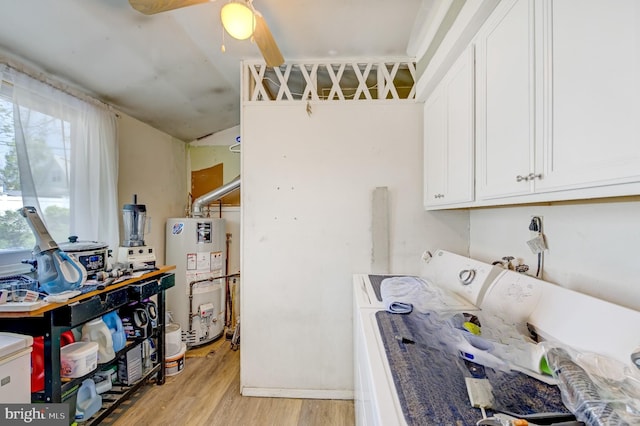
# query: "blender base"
{"points": [[137, 258]]}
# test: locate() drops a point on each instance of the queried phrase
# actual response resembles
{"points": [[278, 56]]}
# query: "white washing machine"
{"points": [[558, 314], [376, 401]]}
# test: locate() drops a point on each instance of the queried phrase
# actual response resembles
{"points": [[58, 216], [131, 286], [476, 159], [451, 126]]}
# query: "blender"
{"points": [[134, 254]]}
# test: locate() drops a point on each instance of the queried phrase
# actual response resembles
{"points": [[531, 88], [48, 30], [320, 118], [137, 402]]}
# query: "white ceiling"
{"points": [[168, 70]]}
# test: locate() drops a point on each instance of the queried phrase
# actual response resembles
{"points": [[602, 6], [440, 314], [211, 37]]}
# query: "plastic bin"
{"points": [[175, 364], [78, 359]]}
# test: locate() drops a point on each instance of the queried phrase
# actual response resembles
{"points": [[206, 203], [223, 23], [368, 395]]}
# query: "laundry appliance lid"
{"points": [[466, 277], [11, 343]]}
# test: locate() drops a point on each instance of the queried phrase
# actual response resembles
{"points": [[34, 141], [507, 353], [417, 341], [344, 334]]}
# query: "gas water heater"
{"points": [[197, 247]]}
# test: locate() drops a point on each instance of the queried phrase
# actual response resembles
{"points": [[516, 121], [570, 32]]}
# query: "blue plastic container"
{"points": [[58, 272], [113, 321], [88, 402]]}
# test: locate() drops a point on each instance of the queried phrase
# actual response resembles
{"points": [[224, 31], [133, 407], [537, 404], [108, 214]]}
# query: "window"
{"points": [[58, 154], [48, 151]]}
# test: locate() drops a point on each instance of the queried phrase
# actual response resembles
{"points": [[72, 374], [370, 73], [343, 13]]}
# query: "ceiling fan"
{"points": [[258, 27]]}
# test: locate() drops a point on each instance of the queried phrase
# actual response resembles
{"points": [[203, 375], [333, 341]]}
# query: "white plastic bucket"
{"points": [[78, 359], [172, 340], [175, 364]]}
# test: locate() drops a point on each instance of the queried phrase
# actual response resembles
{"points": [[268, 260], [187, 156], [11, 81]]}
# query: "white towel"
{"points": [[399, 294]]}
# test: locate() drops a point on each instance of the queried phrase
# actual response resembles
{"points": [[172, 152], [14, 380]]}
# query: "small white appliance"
{"points": [[15, 368], [93, 255], [197, 247], [134, 253]]}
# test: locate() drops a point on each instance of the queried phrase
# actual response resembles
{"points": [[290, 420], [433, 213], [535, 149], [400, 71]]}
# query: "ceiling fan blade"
{"points": [[266, 43], [150, 7]]}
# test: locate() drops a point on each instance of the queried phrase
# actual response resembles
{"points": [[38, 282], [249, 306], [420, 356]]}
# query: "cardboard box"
{"points": [[130, 366]]}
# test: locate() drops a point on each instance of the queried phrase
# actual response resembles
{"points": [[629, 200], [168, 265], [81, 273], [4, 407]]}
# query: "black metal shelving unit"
{"points": [[55, 321]]}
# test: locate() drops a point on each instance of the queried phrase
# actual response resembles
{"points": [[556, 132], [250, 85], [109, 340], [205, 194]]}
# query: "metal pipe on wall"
{"points": [[196, 208]]}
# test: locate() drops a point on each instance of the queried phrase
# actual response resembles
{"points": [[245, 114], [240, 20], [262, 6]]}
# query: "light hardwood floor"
{"points": [[207, 392]]}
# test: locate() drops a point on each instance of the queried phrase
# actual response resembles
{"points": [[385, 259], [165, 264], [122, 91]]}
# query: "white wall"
{"points": [[152, 165], [593, 246], [306, 228]]}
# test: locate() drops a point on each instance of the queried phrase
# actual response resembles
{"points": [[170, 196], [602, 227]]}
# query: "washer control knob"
{"points": [[467, 276], [635, 358]]}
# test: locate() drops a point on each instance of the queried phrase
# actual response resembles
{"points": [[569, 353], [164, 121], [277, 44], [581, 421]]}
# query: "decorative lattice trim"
{"points": [[343, 81]]}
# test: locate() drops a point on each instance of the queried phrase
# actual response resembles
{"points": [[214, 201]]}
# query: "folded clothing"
{"points": [[399, 307], [399, 294]]}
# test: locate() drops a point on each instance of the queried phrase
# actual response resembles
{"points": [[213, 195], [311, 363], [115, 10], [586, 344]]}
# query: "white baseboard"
{"points": [[298, 393]]}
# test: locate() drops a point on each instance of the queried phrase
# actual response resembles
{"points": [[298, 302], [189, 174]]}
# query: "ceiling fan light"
{"points": [[238, 20]]}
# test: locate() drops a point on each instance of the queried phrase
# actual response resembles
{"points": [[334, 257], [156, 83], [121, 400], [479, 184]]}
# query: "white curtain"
{"points": [[94, 177], [80, 163]]}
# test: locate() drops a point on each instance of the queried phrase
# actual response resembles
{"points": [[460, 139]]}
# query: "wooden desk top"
{"points": [[52, 305]]}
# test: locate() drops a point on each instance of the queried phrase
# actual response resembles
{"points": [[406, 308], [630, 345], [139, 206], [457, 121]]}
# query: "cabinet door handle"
{"points": [[534, 176], [520, 178]]}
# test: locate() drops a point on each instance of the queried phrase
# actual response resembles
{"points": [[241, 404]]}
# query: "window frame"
{"points": [[11, 260]]}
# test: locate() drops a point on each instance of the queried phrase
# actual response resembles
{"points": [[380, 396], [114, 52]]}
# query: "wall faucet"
{"points": [[505, 262]]}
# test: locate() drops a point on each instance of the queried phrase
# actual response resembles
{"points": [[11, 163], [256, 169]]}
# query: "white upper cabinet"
{"points": [[435, 143], [505, 101], [589, 121], [558, 99], [449, 136]]}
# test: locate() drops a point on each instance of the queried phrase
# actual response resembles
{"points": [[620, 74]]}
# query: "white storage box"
{"points": [[78, 359], [15, 367]]}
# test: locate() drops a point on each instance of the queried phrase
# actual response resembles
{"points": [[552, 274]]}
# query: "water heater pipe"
{"points": [[196, 207]]}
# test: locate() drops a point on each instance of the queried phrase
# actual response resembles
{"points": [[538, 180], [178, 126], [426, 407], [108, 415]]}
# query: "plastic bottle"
{"points": [[37, 359], [113, 321], [88, 401], [97, 331]]}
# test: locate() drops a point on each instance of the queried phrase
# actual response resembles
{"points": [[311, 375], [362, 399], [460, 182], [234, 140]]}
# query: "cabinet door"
{"points": [[591, 99], [449, 136], [435, 141], [505, 101]]}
